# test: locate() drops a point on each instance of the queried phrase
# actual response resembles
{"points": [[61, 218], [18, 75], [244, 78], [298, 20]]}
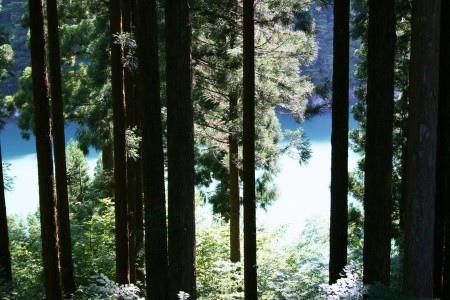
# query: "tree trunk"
{"points": [[250, 266], [234, 199], [120, 152], [59, 144], [130, 98], [339, 141], [180, 148], [47, 197], [378, 163], [420, 179], [5, 254], [156, 261], [442, 255]]}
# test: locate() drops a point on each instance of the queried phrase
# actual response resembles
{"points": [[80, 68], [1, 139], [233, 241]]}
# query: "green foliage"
{"points": [[92, 230], [92, 219], [25, 246], [284, 271], [350, 287], [105, 289], [77, 174], [6, 59], [217, 59], [14, 35], [8, 180]]}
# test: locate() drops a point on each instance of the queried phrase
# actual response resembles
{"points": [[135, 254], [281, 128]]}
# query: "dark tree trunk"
{"points": [[442, 253], [378, 163], [250, 281], [156, 261], [47, 197], [234, 199], [59, 144], [421, 158], [5, 254], [339, 141], [120, 152], [130, 98], [180, 148]]}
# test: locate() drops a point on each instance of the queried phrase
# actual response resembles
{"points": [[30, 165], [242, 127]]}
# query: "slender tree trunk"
{"points": [[442, 266], [420, 180], [378, 163], [180, 148], [130, 97], [156, 261], [59, 144], [120, 152], [339, 141], [47, 197], [5, 254], [234, 199], [250, 266]]}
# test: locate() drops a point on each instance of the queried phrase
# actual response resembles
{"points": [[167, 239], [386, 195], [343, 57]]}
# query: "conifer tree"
{"points": [[120, 152], [180, 148], [378, 148], [65, 243], [156, 261], [421, 156], [339, 141], [47, 197], [250, 270]]}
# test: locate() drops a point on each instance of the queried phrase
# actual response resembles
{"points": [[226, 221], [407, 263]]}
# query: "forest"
{"points": [[183, 104]]}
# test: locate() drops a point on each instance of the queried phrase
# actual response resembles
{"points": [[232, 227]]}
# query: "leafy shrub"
{"points": [[105, 289]]}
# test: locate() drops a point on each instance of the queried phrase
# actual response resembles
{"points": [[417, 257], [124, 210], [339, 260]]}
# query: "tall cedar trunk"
{"points": [[180, 148], [120, 152], [130, 123], [5, 254], [59, 144], [442, 268], [234, 199], [250, 281], [421, 157], [339, 141], [47, 197], [156, 263], [378, 163]]}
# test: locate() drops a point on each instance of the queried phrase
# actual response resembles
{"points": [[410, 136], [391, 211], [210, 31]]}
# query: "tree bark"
{"points": [[47, 197], [442, 239], [420, 180], [250, 266], [59, 144], [339, 141], [5, 254], [130, 99], [180, 148], [156, 261], [234, 199], [120, 152], [378, 159]]}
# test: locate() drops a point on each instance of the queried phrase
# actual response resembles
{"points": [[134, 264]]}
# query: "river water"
{"points": [[303, 190]]}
